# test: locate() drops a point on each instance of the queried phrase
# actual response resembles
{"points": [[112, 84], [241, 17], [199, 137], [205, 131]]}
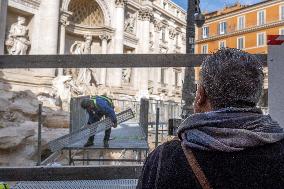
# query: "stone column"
{"points": [[143, 77], [157, 31], [115, 74], [103, 71], [64, 23], [119, 26], [3, 17], [145, 16], [49, 24], [45, 33]]}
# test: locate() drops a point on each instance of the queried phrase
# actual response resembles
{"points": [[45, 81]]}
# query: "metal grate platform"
{"points": [[125, 136], [88, 131], [84, 184]]}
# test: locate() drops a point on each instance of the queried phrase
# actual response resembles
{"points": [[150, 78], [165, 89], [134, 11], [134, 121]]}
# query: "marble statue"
{"points": [[80, 47], [18, 41], [84, 77], [130, 23], [64, 88], [126, 75]]}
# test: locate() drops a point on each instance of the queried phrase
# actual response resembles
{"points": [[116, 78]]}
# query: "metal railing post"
{"points": [[39, 135], [143, 118], [157, 127]]}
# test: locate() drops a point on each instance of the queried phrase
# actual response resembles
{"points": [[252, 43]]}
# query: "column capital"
{"points": [[105, 37], [64, 16], [145, 14], [120, 3]]}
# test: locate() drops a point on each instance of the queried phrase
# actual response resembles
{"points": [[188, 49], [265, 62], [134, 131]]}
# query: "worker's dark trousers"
{"points": [[106, 137], [95, 118], [107, 134]]}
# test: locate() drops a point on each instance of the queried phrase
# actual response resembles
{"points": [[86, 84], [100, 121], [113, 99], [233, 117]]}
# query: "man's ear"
{"points": [[201, 103], [200, 97], [202, 94]]}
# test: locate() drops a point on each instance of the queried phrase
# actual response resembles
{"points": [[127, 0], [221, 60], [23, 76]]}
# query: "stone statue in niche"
{"points": [[126, 75], [129, 25], [18, 41], [80, 47], [84, 77]]}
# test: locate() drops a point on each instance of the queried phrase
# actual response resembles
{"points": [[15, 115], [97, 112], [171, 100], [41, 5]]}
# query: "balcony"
{"points": [[233, 30]]}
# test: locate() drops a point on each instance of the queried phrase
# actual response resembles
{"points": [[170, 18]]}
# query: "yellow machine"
{"points": [[4, 186]]}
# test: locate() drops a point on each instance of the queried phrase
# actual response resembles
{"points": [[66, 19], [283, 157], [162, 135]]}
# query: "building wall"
{"points": [[271, 27]]}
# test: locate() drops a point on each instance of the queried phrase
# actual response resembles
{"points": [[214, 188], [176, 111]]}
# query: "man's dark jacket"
{"points": [[255, 168]]}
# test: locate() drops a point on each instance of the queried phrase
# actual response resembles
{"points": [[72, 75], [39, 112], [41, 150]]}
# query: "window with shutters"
{"points": [[241, 43], [222, 28], [260, 39], [261, 17], [241, 22]]}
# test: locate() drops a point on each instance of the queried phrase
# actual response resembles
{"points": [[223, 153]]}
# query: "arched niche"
{"points": [[102, 4]]}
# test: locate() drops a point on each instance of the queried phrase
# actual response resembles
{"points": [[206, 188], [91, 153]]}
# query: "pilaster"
{"points": [[3, 17]]}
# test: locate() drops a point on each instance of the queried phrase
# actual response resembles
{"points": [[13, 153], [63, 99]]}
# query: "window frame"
{"points": [[244, 42], [281, 12], [264, 17], [225, 44], [257, 39], [244, 22], [203, 29], [202, 48], [224, 28]]}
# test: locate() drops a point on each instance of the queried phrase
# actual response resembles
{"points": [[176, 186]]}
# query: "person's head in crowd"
{"points": [[229, 78]]}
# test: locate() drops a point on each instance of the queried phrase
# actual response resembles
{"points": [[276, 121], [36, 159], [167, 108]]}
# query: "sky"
{"points": [[212, 5]]}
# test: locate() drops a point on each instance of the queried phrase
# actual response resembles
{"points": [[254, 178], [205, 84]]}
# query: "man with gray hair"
{"points": [[227, 143]]}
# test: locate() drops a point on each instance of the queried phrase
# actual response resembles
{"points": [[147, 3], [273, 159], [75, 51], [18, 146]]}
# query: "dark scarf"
{"points": [[229, 130]]}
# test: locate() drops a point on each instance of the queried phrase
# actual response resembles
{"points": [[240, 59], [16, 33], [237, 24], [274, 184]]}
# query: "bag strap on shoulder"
{"points": [[195, 167]]}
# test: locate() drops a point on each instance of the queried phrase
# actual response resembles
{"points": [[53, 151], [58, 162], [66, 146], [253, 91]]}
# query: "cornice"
{"points": [[242, 11], [29, 3], [169, 14], [240, 32], [93, 31]]}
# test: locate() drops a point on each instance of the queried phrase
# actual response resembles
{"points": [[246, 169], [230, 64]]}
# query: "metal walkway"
{"points": [[86, 132], [82, 184], [125, 136]]}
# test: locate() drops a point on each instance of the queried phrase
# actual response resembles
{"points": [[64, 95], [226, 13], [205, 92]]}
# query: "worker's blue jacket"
{"points": [[103, 107]]}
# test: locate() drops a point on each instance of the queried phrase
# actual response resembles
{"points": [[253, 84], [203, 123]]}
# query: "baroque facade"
{"points": [[94, 27]]}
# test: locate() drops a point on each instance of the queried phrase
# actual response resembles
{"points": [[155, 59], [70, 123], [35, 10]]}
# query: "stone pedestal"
{"points": [[3, 17]]}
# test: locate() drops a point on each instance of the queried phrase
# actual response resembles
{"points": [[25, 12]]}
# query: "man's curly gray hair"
{"points": [[232, 78]]}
